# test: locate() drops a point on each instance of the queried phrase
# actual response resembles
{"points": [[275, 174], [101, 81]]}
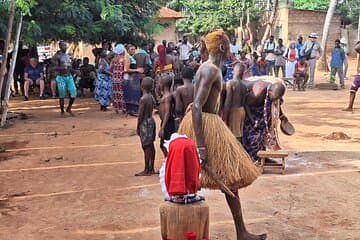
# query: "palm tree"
{"points": [[322, 65]]}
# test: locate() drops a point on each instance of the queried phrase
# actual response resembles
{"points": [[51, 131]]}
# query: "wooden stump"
{"points": [[178, 219]]}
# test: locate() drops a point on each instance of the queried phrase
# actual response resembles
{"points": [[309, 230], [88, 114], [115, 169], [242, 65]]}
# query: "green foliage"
{"points": [[348, 9], [88, 21], [205, 16]]}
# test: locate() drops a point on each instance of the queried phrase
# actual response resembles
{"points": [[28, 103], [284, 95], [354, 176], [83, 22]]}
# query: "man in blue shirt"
{"points": [[299, 45], [336, 64], [33, 76]]}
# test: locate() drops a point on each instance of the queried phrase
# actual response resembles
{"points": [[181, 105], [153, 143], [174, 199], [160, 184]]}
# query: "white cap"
{"points": [[313, 35]]}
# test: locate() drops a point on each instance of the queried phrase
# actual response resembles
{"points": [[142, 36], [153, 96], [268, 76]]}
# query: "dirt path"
{"points": [[73, 178]]}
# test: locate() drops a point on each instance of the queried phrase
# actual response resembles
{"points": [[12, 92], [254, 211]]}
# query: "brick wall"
{"points": [[303, 22], [294, 22]]}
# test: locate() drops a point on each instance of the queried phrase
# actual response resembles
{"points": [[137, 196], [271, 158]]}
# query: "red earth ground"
{"points": [[73, 178]]}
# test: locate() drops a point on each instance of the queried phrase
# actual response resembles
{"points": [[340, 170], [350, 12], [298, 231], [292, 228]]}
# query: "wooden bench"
{"points": [[272, 154]]}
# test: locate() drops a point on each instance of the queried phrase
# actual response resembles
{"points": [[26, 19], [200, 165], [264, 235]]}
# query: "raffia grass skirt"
{"points": [[226, 156]]}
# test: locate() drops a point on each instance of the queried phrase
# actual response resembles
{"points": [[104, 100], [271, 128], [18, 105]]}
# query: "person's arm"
{"points": [[207, 77], [167, 104], [302, 50], [26, 76], [178, 105], [320, 51], [228, 101], [141, 115], [41, 76]]}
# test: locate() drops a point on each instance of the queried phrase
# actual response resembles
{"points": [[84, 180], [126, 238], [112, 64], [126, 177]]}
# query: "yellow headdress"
{"points": [[213, 41]]}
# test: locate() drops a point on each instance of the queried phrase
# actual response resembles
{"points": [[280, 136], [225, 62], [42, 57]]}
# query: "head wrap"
{"points": [[119, 49], [213, 41], [162, 56]]}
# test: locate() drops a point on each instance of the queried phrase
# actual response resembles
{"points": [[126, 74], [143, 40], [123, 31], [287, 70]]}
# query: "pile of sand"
{"points": [[337, 136]]}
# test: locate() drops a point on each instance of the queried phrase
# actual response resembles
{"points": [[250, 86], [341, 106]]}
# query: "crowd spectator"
{"points": [[234, 48], [336, 63], [280, 61], [87, 76], [312, 51], [33, 76], [291, 55], [269, 49]]}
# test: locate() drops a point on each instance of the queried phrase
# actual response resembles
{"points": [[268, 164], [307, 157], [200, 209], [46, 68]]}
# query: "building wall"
{"points": [[169, 34], [304, 22], [291, 23]]}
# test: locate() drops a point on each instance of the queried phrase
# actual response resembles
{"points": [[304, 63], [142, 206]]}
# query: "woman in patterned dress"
{"points": [[117, 70], [103, 89]]}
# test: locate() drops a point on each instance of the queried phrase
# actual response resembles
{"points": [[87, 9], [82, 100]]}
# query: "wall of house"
{"points": [[169, 34], [291, 23]]}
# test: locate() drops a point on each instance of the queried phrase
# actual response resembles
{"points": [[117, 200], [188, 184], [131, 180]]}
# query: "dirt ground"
{"points": [[73, 178]]}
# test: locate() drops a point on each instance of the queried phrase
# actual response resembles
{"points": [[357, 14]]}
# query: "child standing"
{"points": [[146, 126]]}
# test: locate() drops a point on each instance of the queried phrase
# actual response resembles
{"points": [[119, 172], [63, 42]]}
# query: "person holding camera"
{"points": [[312, 51]]}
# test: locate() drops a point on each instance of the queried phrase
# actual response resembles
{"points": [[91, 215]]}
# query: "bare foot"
{"points": [[68, 110], [249, 236], [143, 173], [62, 114], [348, 109], [152, 172]]}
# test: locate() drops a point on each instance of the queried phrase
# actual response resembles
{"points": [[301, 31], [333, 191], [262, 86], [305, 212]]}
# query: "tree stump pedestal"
{"points": [[181, 220]]}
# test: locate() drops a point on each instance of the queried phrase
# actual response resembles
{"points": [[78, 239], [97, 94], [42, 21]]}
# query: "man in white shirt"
{"points": [[270, 56], [184, 50], [312, 51], [234, 48]]}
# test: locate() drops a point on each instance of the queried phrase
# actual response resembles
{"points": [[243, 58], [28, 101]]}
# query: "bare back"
{"points": [[238, 91], [184, 96]]}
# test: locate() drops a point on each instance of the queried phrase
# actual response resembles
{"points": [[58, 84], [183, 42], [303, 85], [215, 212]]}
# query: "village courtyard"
{"points": [[73, 178]]}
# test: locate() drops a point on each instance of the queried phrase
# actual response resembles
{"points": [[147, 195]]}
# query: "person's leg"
{"points": [[163, 149], [62, 103], [312, 66], [346, 66], [277, 68], [61, 86], [41, 83], [147, 157], [268, 68], [341, 76], [72, 91], [26, 89], [283, 71], [235, 207], [333, 75], [152, 159], [15, 82], [53, 87]]}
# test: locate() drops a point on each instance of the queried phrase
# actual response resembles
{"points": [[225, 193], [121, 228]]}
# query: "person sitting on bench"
{"points": [[88, 76], [33, 76], [301, 75]]}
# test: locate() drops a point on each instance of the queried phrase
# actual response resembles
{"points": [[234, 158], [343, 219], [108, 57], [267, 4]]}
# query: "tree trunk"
{"points": [[7, 43], [11, 72], [322, 65], [271, 21]]}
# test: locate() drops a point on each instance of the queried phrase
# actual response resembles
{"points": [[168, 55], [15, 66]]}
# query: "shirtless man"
{"points": [[184, 94], [146, 127], [166, 112], [228, 155], [64, 79], [234, 112]]}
